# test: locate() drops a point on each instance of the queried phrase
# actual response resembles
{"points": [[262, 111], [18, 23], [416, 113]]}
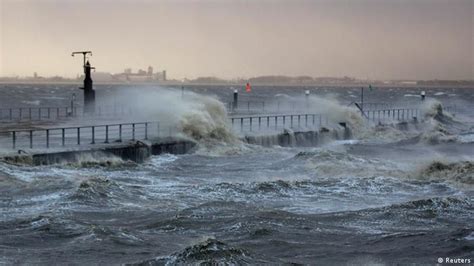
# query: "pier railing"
{"points": [[36, 113], [81, 135], [61, 112], [277, 122], [265, 107], [399, 114]]}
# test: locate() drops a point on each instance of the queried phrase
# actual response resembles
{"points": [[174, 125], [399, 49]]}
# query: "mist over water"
{"points": [[388, 195]]}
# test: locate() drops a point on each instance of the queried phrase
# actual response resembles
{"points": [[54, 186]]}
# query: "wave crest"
{"points": [[462, 172]]}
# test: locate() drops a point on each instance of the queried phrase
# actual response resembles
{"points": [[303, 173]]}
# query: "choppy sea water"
{"points": [[399, 201]]}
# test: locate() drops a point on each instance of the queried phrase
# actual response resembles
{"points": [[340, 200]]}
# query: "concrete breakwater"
{"points": [[310, 138], [139, 151]]}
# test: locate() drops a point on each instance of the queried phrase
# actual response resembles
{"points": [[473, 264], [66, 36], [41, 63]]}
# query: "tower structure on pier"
{"points": [[89, 93]]}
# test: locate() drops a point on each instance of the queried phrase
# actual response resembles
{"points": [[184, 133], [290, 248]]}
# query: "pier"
{"points": [[43, 143]]}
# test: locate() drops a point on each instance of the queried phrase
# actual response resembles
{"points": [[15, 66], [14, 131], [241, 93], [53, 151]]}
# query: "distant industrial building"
{"points": [[140, 76]]}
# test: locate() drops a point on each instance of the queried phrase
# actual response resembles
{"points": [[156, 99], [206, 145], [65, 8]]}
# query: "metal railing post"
{"points": [[120, 132], [63, 136], [241, 124], [47, 138], [250, 123], [276, 122], [146, 131], [106, 134], [133, 131], [14, 139], [78, 136], [31, 139], [93, 135], [259, 122]]}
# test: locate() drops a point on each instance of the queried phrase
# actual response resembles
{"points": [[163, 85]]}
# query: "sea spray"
{"points": [[201, 118], [207, 120], [336, 112], [360, 128], [207, 123], [438, 126]]}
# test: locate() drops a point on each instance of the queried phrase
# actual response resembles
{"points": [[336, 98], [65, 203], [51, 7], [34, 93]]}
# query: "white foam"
{"points": [[158, 162], [466, 138]]}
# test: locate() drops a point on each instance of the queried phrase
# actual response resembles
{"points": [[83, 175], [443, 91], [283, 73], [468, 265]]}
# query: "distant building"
{"points": [[140, 76]]}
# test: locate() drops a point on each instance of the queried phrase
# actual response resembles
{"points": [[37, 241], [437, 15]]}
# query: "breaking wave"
{"points": [[462, 172], [439, 126], [207, 121], [207, 252]]}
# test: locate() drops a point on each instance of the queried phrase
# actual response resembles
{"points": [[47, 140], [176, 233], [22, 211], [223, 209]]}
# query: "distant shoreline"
{"points": [[236, 85]]}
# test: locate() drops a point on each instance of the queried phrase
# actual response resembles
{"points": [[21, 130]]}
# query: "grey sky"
{"points": [[378, 39]]}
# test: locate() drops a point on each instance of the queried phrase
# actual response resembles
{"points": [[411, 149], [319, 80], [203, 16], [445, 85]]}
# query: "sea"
{"points": [[386, 196]]}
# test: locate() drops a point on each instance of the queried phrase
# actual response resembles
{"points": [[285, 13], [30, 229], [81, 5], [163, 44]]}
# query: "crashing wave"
{"points": [[462, 172], [207, 121], [439, 126]]}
